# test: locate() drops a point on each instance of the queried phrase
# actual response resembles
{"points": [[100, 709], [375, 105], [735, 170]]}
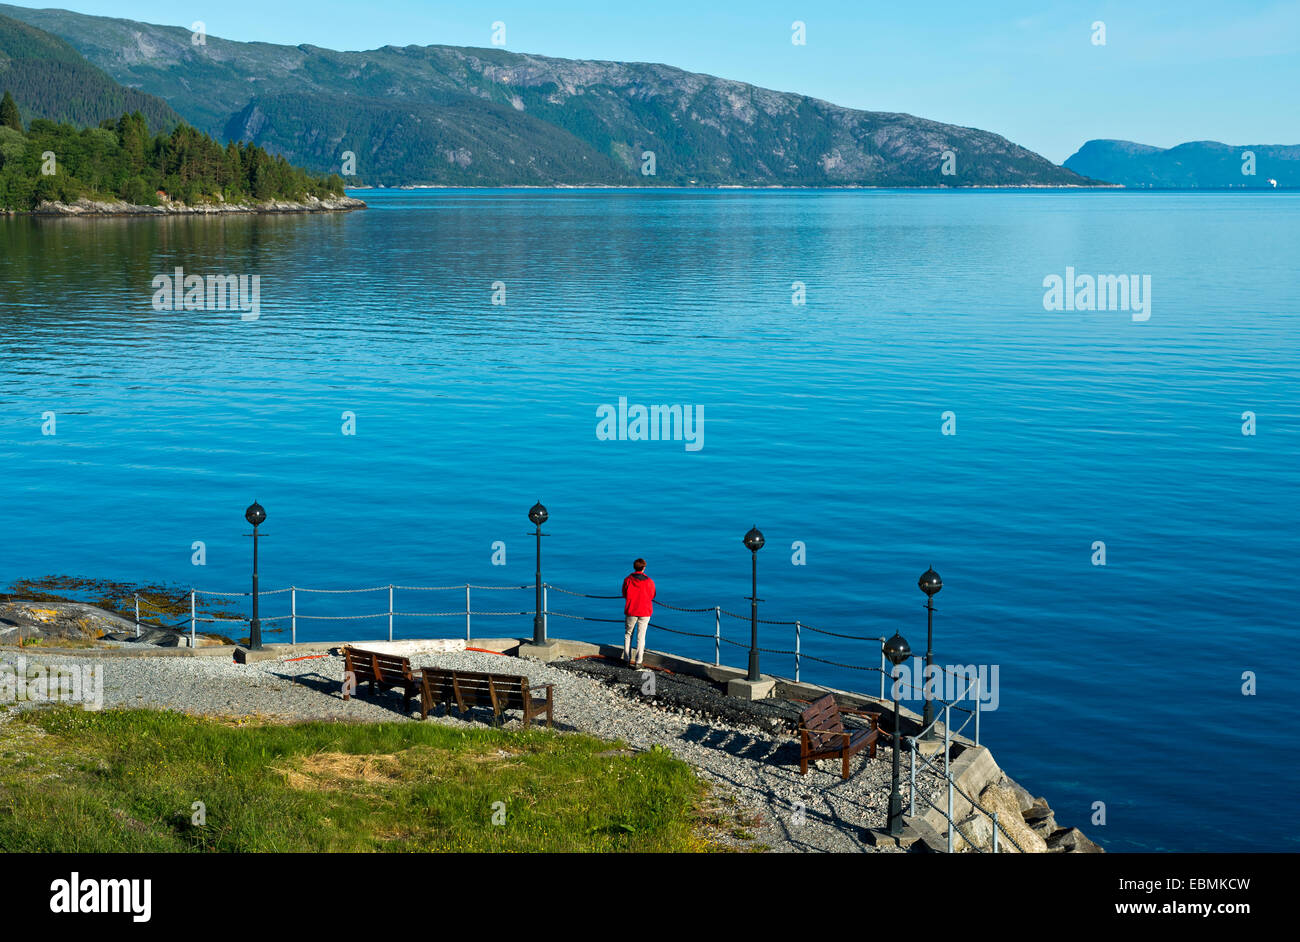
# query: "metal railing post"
{"points": [[796, 651], [882, 670], [911, 811], [192, 619], [293, 614], [717, 635], [546, 609], [947, 737], [467, 611], [947, 773], [995, 832], [390, 613], [950, 826], [137, 615], [978, 697]]}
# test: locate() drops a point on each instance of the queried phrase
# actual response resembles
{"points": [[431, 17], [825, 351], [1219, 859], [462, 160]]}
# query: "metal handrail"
{"points": [[974, 686]]}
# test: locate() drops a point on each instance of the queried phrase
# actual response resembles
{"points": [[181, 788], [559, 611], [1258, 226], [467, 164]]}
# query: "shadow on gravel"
{"points": [[484, 714], [834, 810], [827, 825], [329, 687], [318, 682], [693, 695], [741, 745]]}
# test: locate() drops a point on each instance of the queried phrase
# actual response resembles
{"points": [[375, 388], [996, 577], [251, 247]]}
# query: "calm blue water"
{"points": [[822, 424]]}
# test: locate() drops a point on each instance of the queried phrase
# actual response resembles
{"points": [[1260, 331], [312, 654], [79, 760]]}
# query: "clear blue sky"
{"points": [[1169, 72]]}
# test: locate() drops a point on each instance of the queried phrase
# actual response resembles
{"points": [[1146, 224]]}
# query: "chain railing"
{"points": [[468, 612], [391, 613]]}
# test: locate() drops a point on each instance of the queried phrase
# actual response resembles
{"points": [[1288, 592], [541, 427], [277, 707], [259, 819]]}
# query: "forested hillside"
{"points": [[121, 160], [50, 79]]}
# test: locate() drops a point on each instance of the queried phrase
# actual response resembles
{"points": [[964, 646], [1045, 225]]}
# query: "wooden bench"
{"points": [[381, 671], [822, 734], [469, 688]]}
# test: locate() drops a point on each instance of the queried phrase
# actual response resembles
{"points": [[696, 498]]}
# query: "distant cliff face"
{"points": [[442, 114], [50, 79], [1199, 164]]}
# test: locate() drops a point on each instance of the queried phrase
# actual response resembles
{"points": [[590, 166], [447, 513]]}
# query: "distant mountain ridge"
{"points": [[466, 116], [1194, 165], [50, 79]]}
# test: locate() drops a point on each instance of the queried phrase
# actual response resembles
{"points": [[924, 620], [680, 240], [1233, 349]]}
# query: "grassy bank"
{"points": [[127, 780]]}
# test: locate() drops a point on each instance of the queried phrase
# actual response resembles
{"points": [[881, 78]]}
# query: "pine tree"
{"points": [[9, 116]]}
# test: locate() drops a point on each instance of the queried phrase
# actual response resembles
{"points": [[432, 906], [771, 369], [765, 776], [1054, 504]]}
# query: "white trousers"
{"points": [[639, 622]]}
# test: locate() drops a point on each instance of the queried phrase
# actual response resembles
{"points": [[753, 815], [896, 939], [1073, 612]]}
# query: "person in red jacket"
{"points": [[638, 606]]}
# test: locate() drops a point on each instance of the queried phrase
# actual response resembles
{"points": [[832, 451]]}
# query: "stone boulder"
{"points": [[1041, 818], [55, 621], [1072, 841], [1003, 800], [976, 830], [1023, 795]]}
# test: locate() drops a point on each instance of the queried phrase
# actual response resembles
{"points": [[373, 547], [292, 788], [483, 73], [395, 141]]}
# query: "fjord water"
{"points": [[822, 424]]}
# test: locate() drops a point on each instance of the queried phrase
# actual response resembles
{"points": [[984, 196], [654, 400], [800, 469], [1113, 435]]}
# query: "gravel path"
{"points": [[754, 769]]}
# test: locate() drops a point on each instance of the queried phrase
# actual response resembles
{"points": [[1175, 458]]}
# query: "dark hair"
{"points": [[639, 565]]}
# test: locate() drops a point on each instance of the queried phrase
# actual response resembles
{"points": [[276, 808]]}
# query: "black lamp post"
{"points": [[898, 651], [930, 584], [538, 515], [753, 542], [255, 515]]}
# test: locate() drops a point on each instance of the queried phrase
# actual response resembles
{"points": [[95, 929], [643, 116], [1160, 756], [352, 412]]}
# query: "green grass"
{"points": [[127, 781]]}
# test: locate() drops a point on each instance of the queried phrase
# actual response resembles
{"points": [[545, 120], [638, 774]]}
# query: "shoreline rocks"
{"points": [[34, 624], [88, 207], [1029, 821], [43, 622]]}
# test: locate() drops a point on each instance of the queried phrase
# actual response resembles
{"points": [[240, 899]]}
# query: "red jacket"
{"points": [[639, 593]]}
